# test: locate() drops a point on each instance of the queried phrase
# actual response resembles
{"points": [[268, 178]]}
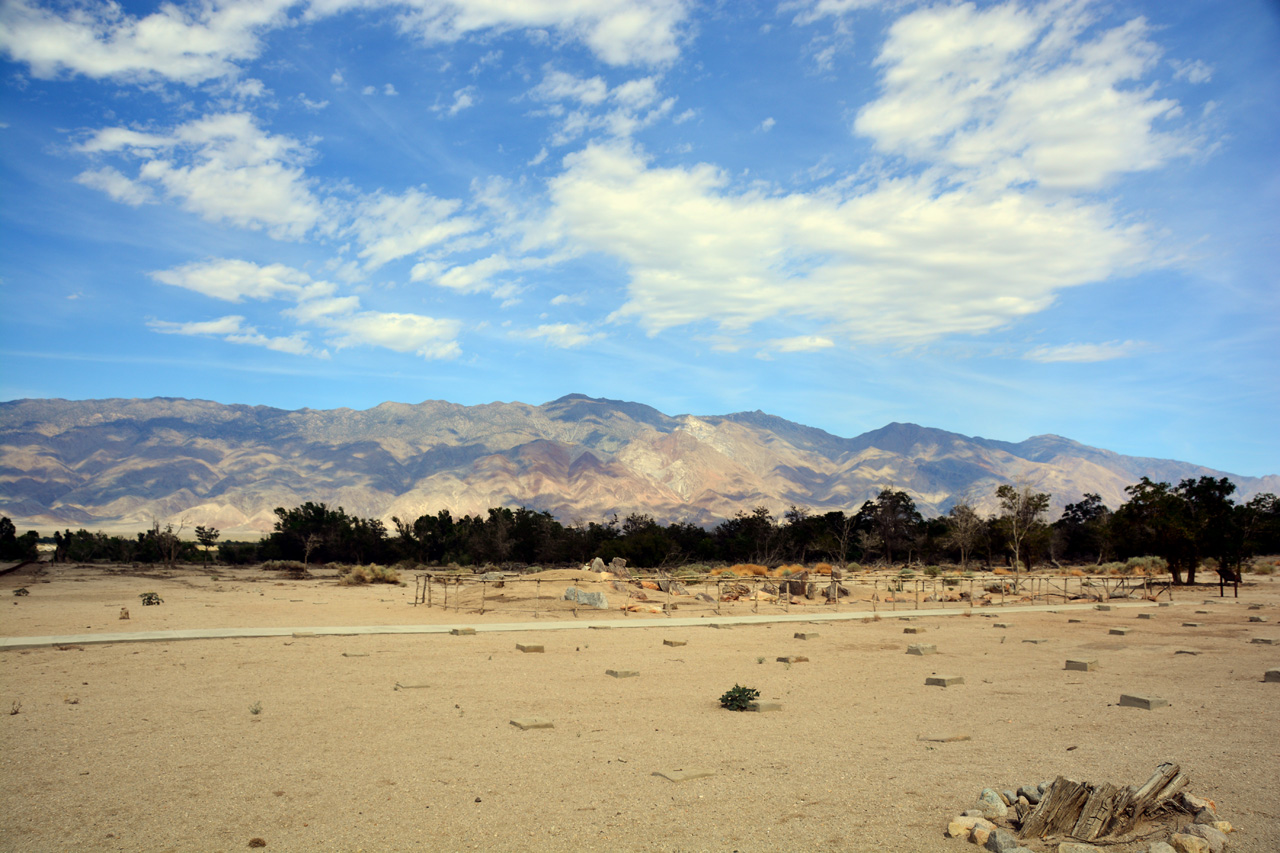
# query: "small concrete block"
{"points": [[1082, 665], [528, 648], [922, 649], [1146, 616], [914, 629], [462, 632], [764, 707], [1265, 641], [1074, 621], [415, 686], [1003, 625], [1202, 612], [1257, 619], [1272, 675], [943, 680], [1255, 606], [944, 738], [355, 654], [1036, 642], [621, 673], [1120, 631], [683, 775], [1102, 607], [1191, 624], [1145, 702], [526, 723], [297, 634], [806, 635], [793, 659], [675, 642]]}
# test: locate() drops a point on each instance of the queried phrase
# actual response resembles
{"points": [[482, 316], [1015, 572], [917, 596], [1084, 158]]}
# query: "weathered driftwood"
{"points": [[1089, 812]]}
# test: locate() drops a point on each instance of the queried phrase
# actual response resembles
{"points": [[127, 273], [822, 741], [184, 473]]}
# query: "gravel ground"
{"points": [[156, 746]]}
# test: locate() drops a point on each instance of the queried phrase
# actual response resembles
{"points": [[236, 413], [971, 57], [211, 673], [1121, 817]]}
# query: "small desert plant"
{"points": [[968, 574], [760, 659], [15, 709], [21, 591], [357, 575], [255, 708], [739, 698], [149, 598], [932, 571], [1148, 565]]}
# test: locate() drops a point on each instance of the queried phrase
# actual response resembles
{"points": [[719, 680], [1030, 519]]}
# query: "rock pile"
{"points": [[1065, 815]]}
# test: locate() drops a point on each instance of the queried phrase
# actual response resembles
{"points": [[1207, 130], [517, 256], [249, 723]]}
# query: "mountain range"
{"points": [[119, 465]]}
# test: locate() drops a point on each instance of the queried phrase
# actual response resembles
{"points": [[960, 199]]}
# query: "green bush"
{"points": [[21, 591], [932, 571], [359, 575], [149, 598], [739, 698]]}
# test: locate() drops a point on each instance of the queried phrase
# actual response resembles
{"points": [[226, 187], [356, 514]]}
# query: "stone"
{"points": [[1146, 616], [621, 673], [1082, 665], [1009, 797], [962, 826], [1160, 847], [683, 775], [1002, 841], [590, 599], [1120, 631], [491, 576], [922, 649], [1102, 607], [1191, 624], [1251, 618], [1035, 642], [462, 632], [1184, 843], [943, 680], [793, 659], [526, 723], [913, 629], [944, 738], [1217, 839], [1223, 826], [1031, 792], [529, 648], [806, 635], [1272, 675], [597, 565], [1265, 641], [1076, 847], [1145, 702], [764, 707], [981, 833], [991, 804], [675, 643], [1003, 625]]}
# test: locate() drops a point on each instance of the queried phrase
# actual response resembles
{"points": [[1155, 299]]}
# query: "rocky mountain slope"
{"points": [[120, 464]]}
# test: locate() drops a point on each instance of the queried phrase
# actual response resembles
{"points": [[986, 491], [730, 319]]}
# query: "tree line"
{"points": [[1186, 525]]}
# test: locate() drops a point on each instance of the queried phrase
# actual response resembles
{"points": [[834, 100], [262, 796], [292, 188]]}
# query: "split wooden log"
{"points": [[1088, 812]]}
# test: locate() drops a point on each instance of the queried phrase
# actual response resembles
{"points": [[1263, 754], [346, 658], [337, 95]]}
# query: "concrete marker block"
{"points": [[675, 643], [1257, 619], [683, 775], [529, 648], [1103, 607], [1147, 703], [621, 673], [462, 632], [1120, 631], [1036, 642], [943, 680], [764, 707], [1191, 624], [1075, 621], [1082, 665], [1003, 625], [1146, 616], [806, 635], [1265, 641], [914, 629], [793, 659], [1272, 675], [922, 649]]}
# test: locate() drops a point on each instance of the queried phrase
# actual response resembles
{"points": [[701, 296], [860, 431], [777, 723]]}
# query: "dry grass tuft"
{"points": [[359, 575]]}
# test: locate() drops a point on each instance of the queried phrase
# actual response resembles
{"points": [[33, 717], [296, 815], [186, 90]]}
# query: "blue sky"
{"points": [[1001, 219]]}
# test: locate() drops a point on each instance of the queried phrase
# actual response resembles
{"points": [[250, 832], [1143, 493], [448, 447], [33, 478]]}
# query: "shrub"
{"points": [[822, 569], [932, 571], [359, 575], [149, 598], [739, 698], [1148, 565], [21, 591]]}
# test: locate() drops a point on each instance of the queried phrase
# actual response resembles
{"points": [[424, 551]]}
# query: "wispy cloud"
{"points": [[1084, 353], [562, 335]]}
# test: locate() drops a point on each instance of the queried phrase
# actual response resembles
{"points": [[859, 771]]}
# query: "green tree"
{"points": [[891, 521], [207, 537], [1083, 531], [1022, 519]]}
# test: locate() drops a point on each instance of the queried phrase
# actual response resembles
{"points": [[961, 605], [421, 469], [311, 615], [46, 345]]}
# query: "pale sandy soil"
{"points": [[152, 746]]}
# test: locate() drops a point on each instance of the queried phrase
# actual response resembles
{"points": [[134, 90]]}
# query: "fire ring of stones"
{"points": [[1067, 816]]}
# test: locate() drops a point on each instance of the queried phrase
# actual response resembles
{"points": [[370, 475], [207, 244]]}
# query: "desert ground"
{"points": [[310, 741]]}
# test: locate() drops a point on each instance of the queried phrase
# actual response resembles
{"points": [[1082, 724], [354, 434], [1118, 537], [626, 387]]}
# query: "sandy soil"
{"points": [[154, 746]]}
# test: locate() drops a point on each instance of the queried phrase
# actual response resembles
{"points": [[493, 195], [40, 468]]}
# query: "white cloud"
{"points": [[810, 11], [224, 168], [636, 103], [233, 330], [1083, 353], [767, 125], [569, 299], [563, 86], [389, 90], [904, 261], [562, 335], [188, 43], [1014, 95], [425, 336], [235, 280], [337, 79], [1193, 72], [802, 343], [310, 105], [389, 227], [368, 90], [116, 186], [538, 158], [463, 98]]}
